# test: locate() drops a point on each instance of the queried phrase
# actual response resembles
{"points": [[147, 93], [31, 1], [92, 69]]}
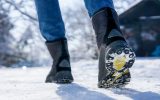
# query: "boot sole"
{"points": [[62, 77], [118, 63]]}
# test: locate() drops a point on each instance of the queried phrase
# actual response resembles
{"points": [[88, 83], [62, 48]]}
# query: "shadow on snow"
{"points": [[137, 95], [77, 92]]}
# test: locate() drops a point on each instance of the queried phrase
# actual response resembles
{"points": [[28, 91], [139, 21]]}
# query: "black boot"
{"points": [[61, 69], [116, 57]]}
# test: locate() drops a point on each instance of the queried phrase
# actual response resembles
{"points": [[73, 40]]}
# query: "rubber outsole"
{"points": [[118, 62], [62, 77]]}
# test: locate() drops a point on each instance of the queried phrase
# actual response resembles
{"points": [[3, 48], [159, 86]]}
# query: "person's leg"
{"points": [[52, 29], [116, 57], [95, 5], [50, 19]]}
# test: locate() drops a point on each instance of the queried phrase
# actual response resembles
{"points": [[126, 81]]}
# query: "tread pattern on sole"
{"points": [[118, 77]]}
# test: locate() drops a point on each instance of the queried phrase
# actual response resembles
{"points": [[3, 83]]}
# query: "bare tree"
{"points": [[11, 51]]}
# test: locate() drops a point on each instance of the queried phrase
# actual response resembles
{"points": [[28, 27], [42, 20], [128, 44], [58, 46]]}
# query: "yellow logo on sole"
{"points": [[119, 62]]}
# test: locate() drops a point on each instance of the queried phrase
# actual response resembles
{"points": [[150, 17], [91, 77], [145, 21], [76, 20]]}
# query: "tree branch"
{"points": [[18, 9]]}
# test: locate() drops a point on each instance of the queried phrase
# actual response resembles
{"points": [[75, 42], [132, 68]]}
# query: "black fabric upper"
{"points": [[104, 21]]}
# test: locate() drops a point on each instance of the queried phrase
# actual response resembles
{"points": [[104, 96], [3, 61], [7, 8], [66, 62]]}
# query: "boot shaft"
{"points": [[106, 25], [58, 48], [60, 54]]}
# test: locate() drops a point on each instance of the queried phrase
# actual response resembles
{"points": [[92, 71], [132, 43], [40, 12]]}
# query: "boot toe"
{"points": [[62, 77], [49, 79]]}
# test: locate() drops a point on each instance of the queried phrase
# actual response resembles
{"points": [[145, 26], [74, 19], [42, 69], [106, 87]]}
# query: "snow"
{"points": [[28, 83]]}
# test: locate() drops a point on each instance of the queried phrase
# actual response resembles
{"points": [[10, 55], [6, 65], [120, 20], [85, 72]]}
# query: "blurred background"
{"points": [[21, 43]]}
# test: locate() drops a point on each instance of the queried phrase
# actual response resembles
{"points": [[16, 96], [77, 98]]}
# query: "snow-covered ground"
{"points": [[28, 83]]}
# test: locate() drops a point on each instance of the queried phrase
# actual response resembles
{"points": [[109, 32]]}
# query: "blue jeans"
{"points": [[50, 19]]}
